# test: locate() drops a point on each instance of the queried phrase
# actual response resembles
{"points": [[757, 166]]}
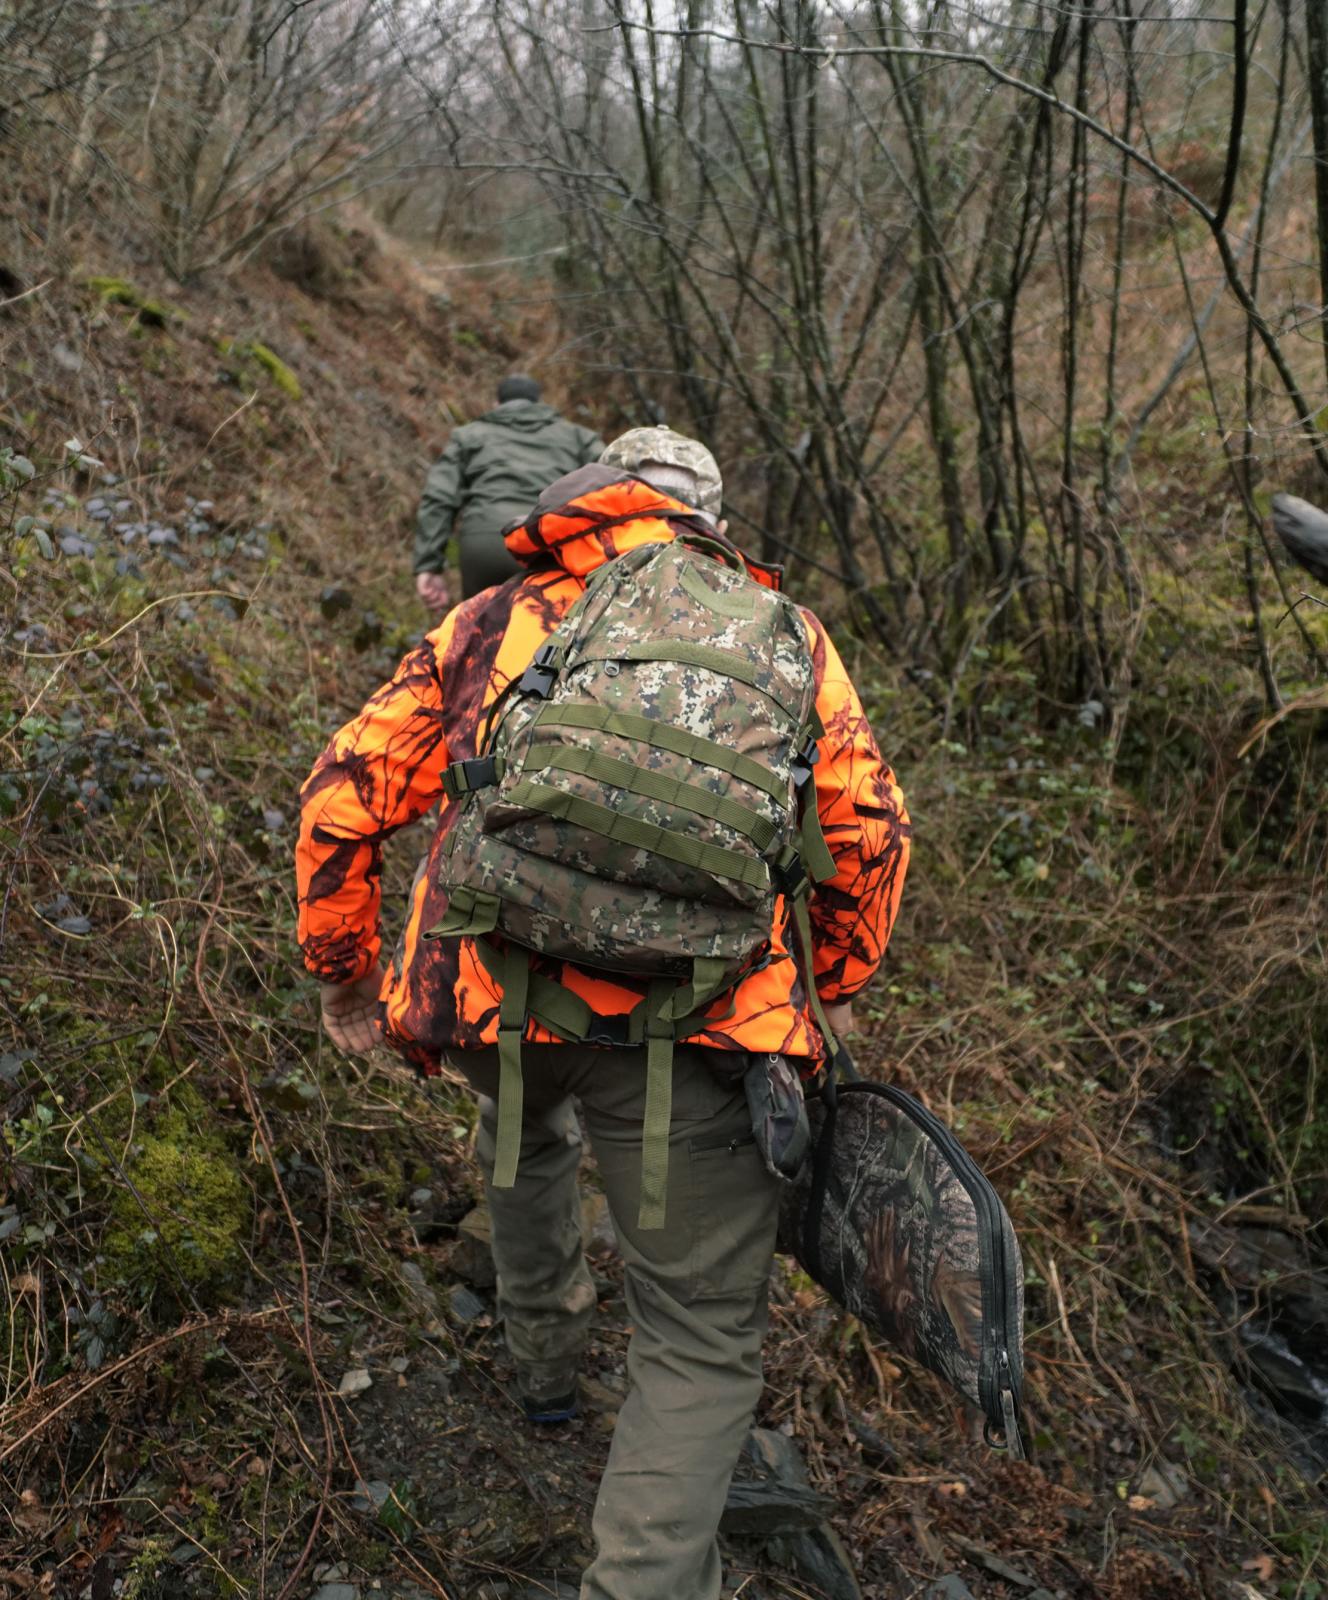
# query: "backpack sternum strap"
{"points": [[658, 1115], [479, 772], [511, 1025]]}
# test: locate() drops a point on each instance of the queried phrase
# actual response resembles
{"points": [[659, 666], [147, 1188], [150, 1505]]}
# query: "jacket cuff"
{"points": [[341, 965]]}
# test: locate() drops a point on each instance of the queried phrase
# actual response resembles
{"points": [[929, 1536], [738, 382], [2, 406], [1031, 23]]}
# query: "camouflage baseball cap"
{"points": [[640, 448]]}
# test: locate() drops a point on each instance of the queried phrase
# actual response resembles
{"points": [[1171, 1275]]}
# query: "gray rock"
{"points": [[333, 602], [771, 1502], [464, 1304], [1283, 1375], [597, 1233], [757, 1508], [820, 1557], [372, 1496], [337, 1591], [472, 1255], [1163, 1484], [950, 1586], [991, 1561], [877, 1450]]}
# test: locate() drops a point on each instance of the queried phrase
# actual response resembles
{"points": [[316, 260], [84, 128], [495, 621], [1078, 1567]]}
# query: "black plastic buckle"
{"points": [[479, 772], [804, 761], [790, 875], [539, 675], [611, 1030]]}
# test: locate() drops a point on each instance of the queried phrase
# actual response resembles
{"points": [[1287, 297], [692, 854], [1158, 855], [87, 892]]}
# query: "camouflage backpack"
{"points": [[641, 798]]}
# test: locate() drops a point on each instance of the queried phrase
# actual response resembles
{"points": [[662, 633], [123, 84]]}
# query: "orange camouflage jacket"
{"points": [[384, 769]]}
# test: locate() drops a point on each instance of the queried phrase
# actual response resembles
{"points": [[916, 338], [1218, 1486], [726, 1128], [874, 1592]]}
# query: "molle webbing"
{"points": [[684, 653], [637, 835], [654, 786], [664, 736], [733, 604]]}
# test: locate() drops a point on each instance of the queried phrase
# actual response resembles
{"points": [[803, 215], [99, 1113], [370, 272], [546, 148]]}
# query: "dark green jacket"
{"points": [[492, 473]]}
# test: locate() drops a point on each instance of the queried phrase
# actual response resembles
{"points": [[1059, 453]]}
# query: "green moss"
{"points": [[266, 358], [196, 1209], [146, 1578], [120, 292], [276, 369]]}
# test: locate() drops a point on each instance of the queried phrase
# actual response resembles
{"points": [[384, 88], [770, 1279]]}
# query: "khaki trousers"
{"points": [[696, 1294]]}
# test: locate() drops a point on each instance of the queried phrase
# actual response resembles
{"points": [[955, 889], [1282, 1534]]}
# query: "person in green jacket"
{"points": [[489, 476]]}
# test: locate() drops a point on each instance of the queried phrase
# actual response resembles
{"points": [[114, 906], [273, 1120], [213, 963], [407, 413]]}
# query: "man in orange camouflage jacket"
{"points": [[696, 1289]]}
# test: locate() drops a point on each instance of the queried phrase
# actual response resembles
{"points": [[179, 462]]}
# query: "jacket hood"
{"points": [[597, 513], [525, 415]]}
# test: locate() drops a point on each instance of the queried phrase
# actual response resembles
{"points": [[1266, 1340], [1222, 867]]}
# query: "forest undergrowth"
{"points": [[211, 1225]]}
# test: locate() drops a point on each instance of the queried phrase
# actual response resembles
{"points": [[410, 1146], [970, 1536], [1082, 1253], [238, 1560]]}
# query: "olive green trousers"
{"points": [[696, 1294], [484, 560]]}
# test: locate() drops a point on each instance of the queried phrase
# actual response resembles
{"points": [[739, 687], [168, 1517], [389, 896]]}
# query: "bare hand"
{"points": [[433, 590], [350, 1013], [840, 1018]]}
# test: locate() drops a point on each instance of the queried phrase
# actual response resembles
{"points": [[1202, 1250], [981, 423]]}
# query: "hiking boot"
{"points": [[558, 1408], [548, 1390]]}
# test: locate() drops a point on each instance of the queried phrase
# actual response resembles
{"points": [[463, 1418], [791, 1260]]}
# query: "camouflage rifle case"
{"points": [[893, 1218]]}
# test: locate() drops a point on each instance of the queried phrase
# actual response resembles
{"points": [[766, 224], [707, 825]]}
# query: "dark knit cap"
{"points": [[518, 387]]}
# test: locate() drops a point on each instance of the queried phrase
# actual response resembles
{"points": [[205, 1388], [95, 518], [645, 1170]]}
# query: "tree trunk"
{"points": [[1316, 32]]}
